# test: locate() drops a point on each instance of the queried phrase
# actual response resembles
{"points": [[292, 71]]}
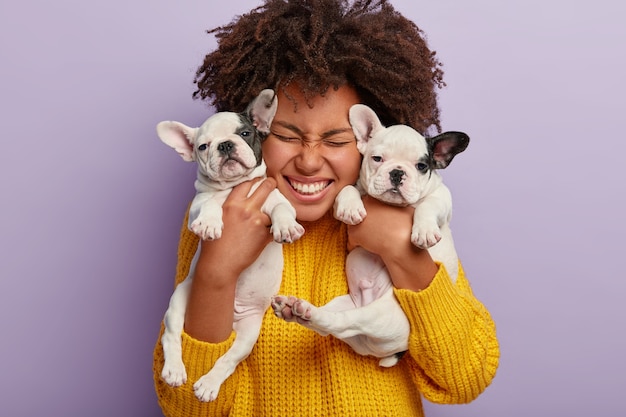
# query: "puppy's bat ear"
{"points": [[445, 146], [179, 137], [365, 124], [262, 110]]}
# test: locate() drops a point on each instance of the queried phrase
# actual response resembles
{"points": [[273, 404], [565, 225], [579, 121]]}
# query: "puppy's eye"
{"points": [[245, 133], [202, 147], [421, 166], [377, 158]]}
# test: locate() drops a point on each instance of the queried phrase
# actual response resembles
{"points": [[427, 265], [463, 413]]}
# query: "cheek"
{"points": [[274, 156], [347, 165]]}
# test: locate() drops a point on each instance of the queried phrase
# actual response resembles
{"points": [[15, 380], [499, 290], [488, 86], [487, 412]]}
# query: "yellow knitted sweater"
{"points": [[292, 371]]}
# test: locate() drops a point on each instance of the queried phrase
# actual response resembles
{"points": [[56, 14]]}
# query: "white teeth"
{"points": [[309, 189]]}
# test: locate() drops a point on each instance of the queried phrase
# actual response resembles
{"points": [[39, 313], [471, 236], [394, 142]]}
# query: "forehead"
{"points": [[399, 140], [223, 123], [317, 115]]}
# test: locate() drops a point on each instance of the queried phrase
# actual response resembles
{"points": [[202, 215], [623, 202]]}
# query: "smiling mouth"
{"points": [[308, 188]]}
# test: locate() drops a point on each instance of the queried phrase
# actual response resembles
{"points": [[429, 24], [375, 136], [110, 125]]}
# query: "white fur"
{"points": [[370, 318], [217, 174]]}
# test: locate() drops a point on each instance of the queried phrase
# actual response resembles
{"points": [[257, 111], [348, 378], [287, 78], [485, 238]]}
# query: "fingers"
{"points": [[250, 196], [259, 195], [264, 189]]}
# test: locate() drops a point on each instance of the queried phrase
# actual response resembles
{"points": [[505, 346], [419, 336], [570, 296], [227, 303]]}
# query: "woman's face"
{"points": [[311, 151]]}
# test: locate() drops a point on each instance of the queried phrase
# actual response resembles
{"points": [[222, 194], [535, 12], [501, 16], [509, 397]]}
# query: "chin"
{"points": [[309, 213]]}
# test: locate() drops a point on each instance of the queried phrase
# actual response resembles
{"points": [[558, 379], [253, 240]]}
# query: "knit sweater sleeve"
{"points": [[454, 352]]}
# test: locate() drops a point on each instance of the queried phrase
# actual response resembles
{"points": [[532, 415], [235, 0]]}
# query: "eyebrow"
{"points": [[324, 135]]}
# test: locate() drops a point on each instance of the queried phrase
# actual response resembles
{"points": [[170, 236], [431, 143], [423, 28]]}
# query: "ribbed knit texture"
{"points": [[292, 371]]}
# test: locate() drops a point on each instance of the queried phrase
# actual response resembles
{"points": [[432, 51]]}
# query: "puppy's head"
{"points": [[227, 146], [398, 163]]}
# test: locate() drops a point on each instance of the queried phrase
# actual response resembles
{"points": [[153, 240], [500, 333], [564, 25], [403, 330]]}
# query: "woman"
{"points": [[323, 56]]}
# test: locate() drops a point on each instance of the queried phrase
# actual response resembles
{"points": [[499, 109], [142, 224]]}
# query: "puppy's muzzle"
{"points": [[396, 176]]}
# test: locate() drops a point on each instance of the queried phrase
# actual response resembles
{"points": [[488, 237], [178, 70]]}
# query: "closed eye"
{"points": [[338, 143], [283, 138]]}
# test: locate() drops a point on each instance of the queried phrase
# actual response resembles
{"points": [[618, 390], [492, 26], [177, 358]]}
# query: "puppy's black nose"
{"points": [[396, 176], [226, 147]]}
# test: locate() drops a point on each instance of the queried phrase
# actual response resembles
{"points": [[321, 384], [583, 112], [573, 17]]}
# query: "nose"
{"points": [[396, 176], [226, 147], [309, 159]]}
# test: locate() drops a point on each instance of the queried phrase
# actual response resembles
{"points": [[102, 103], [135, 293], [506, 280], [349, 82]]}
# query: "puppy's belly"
{"points": [[259, 282]]}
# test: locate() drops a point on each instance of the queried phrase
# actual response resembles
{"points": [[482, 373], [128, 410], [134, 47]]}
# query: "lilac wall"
{"points": [[92, 200]]}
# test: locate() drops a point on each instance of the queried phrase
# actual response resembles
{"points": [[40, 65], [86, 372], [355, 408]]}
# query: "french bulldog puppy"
{"points": [[227, 149], [399, 168]]}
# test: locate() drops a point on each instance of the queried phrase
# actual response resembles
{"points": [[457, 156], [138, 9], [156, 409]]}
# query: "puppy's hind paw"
{"points": [[282, 307], [302, 309], [206, 388], [174, 375], [291, 308]]}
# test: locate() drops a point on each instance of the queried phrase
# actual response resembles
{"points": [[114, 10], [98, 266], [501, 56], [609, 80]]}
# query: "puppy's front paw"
{"points": [[174, 374], [207, 228], [425, 235], [349, 207], [286, 230], [350, 211]]}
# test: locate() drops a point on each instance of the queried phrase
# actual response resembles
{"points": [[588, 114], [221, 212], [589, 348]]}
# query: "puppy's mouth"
{"points": [[232, 161], [234, 167], [308, 189], [393, 196]]}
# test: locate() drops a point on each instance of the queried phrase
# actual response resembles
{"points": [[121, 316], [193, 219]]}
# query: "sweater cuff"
{"points": [[199, 357], [434, 305]]}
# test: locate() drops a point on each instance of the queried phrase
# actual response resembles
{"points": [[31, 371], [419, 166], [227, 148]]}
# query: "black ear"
{"points": [[445, 146]]}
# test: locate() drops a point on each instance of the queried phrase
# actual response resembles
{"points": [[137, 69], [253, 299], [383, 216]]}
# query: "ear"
{"points": [[178, 136], [262, 110], [445, 146], [365, 124]]}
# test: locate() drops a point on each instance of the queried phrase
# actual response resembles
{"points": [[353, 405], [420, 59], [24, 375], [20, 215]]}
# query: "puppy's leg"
{"points": [[205, 214], [247, 329], [430, 214], [348, 206], [367, 320], [283, 309], [174, 372], [380, 329], [285, 228]]}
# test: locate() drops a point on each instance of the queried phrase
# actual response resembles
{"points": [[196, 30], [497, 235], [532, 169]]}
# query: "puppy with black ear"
{"points": [[399, 168], [227, 149]]}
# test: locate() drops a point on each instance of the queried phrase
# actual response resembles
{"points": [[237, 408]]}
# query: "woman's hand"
{"points": [[209, 314], [386, 231]]}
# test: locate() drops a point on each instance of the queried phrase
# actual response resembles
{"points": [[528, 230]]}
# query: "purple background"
{"points": [[92, 200]]}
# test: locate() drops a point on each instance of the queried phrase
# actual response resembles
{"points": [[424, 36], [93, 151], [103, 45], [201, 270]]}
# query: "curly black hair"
{"points": [[322, 44]]}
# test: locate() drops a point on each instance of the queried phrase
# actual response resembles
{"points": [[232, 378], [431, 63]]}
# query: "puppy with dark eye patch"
{"points": [[227, 149], [399, 168]]}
